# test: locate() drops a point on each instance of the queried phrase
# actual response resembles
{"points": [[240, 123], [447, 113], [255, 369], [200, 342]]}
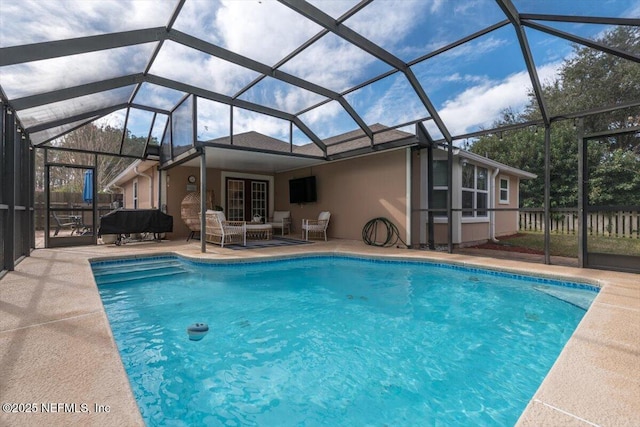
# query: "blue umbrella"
{"points": [[87, 190]]}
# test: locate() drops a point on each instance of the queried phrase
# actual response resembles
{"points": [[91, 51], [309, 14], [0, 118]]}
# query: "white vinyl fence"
{"points": [[624, 222]]}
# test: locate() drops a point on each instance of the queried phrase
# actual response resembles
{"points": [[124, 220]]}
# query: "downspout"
{"points": [[492, 206], [135, 169]]}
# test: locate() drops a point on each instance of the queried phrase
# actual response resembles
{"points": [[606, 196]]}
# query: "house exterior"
{"points": [[390, 183], [485, 198]]}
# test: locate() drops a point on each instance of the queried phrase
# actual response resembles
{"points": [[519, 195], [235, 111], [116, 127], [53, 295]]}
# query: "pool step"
{"points": [[117, 273], [579, 299], [116, 268]]}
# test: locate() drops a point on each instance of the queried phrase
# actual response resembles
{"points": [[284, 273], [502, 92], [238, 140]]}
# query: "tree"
{"points": [[618, 170], [92, 137], [588, 79]]}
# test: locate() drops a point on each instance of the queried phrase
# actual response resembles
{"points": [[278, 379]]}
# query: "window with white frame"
{"points": [[504, 190], [440, 187], [135, 194], [475, 194]]}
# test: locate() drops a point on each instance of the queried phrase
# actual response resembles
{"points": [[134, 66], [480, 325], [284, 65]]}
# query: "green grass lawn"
{"points": [[567, 244]]}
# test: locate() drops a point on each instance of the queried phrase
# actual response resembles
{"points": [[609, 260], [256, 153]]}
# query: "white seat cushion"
{"points": [[279, 216], [258, 227]]}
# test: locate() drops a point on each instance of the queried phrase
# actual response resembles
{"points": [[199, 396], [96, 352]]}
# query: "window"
{"points": [[135, 194], [474, 191], [504, 190], [440, 187]]}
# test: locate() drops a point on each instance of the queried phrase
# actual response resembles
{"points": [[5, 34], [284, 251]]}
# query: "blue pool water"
{"points": [[335, 341]]}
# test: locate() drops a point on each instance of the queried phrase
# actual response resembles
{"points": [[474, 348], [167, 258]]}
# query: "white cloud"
{"points": [[184, 64], [335, 8], [331, 62], [31, 21], [266, 31], [482, 104], [115, 119], [398, 104], [328, 120], [213, 119], [394, 19], [69, 71], [245, 121]]}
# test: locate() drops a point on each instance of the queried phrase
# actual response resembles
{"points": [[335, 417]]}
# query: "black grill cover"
{"points": [[125, 221]]}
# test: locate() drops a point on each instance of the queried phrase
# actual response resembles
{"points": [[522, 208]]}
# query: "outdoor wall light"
{"points": [[500, 136], [463, 161]]}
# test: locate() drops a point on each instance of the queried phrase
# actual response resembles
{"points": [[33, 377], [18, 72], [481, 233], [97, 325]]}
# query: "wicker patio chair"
{"points": [[220, 231], [190, 213], [282, 220], [318, 226]]}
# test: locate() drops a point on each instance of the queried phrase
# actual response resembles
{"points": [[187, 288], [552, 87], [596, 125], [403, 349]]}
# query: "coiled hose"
{"points": [[370, 233]]}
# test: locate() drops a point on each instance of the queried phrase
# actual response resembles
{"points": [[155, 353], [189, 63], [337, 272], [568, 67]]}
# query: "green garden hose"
{"points": [[370, 233]]}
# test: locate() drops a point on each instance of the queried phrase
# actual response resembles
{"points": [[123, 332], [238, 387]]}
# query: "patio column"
{"points": [[582, 195], [9, 142], [450, 197], [203, 200], [430, 226]]}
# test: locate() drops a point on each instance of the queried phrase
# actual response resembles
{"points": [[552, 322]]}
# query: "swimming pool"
{"points": [[331, 340]]}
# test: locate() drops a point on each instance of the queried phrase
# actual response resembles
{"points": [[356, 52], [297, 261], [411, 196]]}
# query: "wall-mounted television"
{"points": [[302, 190]]}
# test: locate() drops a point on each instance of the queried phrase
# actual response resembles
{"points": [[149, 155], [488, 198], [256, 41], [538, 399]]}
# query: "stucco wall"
{"points": [[177, 188], [146, 200], [475, 231], [354, 190], [507, 222]]}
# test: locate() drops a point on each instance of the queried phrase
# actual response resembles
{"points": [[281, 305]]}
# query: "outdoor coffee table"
{"points": [[259, 231]]}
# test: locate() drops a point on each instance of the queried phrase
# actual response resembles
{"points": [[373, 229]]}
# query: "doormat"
{"points": [[276, 241]]}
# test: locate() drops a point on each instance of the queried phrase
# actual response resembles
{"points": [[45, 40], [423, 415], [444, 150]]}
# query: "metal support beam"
{"points": [[248, 63], [203, 201], [265, 70], [413, 81], [431, 244], [324, 20], [9, 169], [319, 17], [214, 96], [356, 117], [424, 139], [603, 20], [53, 49], [450, 198], [87, 115], [32, 196], [460, 42], [95, 201], [582, 194], [303, 127], [547, 194], [581, 40], [512, 14], [74, 92]]}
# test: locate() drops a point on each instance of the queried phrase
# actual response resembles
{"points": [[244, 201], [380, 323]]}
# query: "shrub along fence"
{"points": [[615, 221]]}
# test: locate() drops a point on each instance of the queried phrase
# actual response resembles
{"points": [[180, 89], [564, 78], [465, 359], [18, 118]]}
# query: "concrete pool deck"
{"points": [[57, 352]]}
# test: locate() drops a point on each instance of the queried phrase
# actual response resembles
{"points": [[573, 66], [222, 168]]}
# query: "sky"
{"points": [[469, 85]]}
